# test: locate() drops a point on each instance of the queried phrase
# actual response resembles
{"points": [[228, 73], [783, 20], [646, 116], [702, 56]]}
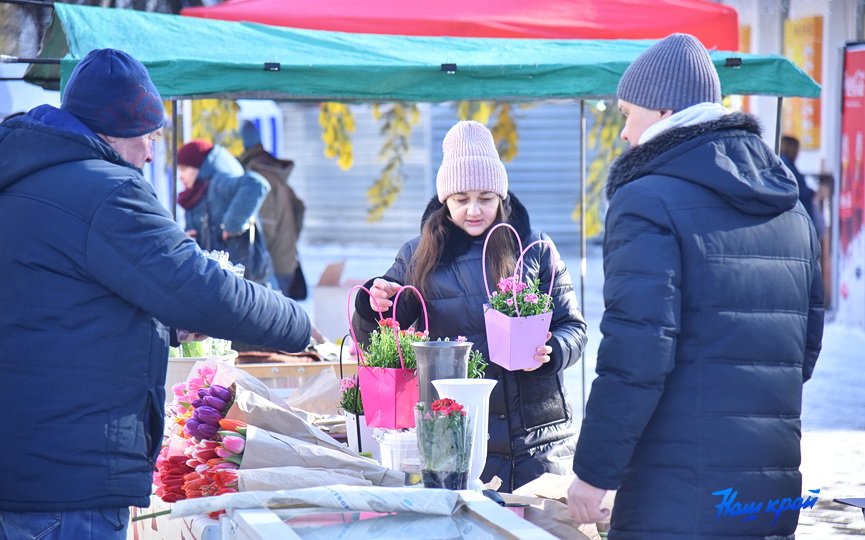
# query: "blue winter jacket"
{"points": [[713, 321], [95, 271]]}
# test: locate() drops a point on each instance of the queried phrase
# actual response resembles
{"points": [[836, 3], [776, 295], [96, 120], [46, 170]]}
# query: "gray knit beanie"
{"points": [[674, 73], [470, 162]]}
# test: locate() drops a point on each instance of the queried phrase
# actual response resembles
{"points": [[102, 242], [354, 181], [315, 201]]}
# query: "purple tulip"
{"points": [[215, 402], [203, 392], [207, 431], [207, 415], [197, 403], [192, 427], [221, 392]]}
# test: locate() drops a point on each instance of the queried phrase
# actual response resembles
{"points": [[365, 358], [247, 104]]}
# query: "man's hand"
{"points": [[584, 502]]}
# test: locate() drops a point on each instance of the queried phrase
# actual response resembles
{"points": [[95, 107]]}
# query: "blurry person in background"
{"points": [[221, 201], [97, 278], [281, 212], [789, 153]]}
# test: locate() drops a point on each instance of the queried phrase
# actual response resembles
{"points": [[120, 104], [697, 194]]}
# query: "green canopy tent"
{"points": [[196, 58]]}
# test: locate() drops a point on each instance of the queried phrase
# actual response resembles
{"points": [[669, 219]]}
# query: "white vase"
{"points": [[360, 436], [474, 395]]}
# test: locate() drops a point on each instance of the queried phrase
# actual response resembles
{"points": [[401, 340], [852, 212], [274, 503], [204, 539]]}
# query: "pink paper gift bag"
{"points": [[388, 395], [513, 341]]}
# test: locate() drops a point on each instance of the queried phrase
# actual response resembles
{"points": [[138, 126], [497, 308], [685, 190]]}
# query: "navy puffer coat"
{"points": [[713, 321], [530, 424], [94, 271]]}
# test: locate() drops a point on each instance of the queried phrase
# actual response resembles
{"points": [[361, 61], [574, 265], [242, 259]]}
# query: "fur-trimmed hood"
{"points": [[457, 242], [725, 155]]}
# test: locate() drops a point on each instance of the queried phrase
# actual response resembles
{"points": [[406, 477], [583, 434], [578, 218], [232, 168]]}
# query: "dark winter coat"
{"points": [[282, 211], [530, 423], [94, 271], [713, 321]]}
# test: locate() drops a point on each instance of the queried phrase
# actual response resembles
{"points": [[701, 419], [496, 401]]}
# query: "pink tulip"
{"points": [[234, 444]]}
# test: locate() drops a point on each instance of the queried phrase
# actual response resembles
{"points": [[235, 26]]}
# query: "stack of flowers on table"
{"points": [[225, 433], [444, 437]]}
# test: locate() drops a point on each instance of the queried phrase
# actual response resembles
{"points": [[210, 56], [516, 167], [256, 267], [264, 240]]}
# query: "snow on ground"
{"points": [[833, 417]]}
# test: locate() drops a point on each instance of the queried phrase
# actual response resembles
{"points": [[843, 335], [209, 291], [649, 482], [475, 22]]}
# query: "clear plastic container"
{"points": [[398, 449]]}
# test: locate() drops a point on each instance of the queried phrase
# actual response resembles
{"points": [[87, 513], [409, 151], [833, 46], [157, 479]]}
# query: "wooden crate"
{"points": [[293, 375]]}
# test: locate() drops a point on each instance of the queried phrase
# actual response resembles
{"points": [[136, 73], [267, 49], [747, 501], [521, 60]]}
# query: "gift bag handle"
{"points": [[484, 254], [519, 265], [552, 272], [351, 326], [396, 328], [381, 317]]}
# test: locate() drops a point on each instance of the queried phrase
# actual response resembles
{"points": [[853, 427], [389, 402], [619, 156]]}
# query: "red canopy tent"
{"points": [[716, 25]]}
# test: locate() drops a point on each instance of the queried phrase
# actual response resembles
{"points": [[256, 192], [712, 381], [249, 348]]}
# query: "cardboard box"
{"points": [[330, 299]]}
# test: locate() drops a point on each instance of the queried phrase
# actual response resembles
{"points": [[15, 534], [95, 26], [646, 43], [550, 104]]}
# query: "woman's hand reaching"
{"points": [[381, 293]]}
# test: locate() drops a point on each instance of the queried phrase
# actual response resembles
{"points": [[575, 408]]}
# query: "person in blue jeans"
{"points": [[98, 277]]}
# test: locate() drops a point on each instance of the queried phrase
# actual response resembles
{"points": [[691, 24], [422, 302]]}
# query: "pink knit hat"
{"points": [[470, 162]]}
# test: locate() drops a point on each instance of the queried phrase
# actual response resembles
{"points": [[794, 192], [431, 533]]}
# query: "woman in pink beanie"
{"points": [[530, 426]]}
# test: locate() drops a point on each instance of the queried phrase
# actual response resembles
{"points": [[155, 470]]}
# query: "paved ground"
{"points": [[833, 422]]}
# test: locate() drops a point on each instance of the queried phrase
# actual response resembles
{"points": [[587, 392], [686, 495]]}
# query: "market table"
{"points": [[478, 518]]}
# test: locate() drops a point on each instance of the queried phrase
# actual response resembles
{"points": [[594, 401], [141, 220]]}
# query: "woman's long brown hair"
{"points": [[501, 249]]}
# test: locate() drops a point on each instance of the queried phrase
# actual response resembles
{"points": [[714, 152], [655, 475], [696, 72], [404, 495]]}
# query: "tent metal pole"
{"points": [[583, 236], [778, 111], [174, 136]]}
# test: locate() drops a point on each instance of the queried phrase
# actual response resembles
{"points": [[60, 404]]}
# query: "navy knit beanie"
{"points": [[112, 94], [673, 74]]}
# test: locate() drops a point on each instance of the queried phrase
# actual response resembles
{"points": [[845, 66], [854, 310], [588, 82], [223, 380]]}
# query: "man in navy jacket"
{"points": [[95, 273], [713, 318]]}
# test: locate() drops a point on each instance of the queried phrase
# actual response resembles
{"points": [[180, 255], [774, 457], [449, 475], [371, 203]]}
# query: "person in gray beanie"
{"points": [[99, 280], [531, 429], [713, 318]]}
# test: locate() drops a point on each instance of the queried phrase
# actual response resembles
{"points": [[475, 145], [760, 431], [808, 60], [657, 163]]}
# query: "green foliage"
{"points": [[397, 122], [337, 122], [477, 365], [382, 350]]}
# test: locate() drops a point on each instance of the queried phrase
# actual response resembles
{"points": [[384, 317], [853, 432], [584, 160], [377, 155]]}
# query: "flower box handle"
{"points": [[518, 267], [484, 254], [381, 318]]}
